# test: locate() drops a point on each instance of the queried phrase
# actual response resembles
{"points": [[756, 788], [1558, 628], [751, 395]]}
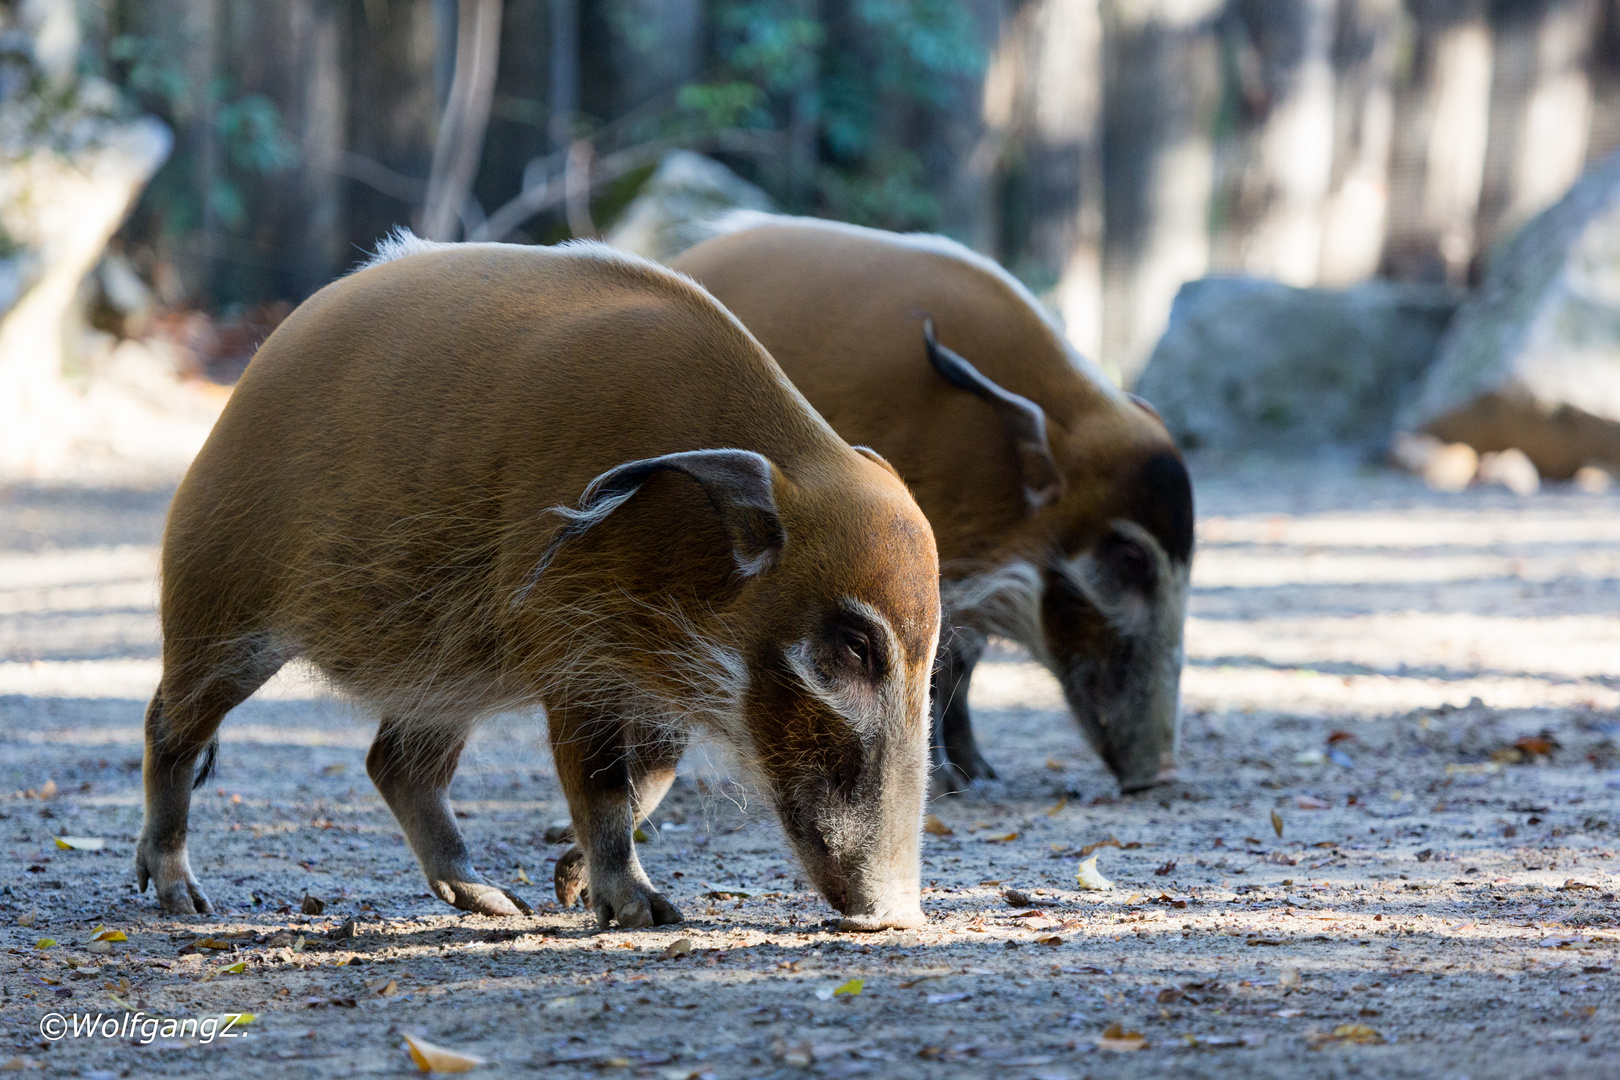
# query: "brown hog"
{"points": [[1061, 505], [394, 493]]}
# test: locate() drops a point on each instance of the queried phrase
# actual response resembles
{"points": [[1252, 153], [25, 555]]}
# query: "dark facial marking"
{"points": [[1161, 500]]}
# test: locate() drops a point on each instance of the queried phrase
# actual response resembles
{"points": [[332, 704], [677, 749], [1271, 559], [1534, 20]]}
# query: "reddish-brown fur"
{"points": [[380, 491], [1093, 582]]}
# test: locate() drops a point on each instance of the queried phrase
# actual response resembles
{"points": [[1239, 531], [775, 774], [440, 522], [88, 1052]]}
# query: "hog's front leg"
{"points": [[610, 786], [649, 783], [413, 774]]}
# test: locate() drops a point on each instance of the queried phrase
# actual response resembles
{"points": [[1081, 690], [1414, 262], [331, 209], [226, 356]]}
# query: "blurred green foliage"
{"points": [[251, 138], [854, 70]]}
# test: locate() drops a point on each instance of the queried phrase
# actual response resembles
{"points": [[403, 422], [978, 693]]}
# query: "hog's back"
{"points": [[375, 491]]}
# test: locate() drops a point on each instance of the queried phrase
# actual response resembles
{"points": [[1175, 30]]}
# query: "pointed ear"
{"points": [[739, 485], [1023, 420]]}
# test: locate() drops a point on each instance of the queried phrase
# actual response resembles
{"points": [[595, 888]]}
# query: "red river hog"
{"points": [[1061, 505], [471, 479]]}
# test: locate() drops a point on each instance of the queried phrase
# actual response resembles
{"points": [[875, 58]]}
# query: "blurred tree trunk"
{"points": [[1046, 100], [969, 144], [201, 47], [1541, 109], [460, 144], [1290, 164], [804, 125], [659, 47], [391, 59], [1161, 91], [317, 58], [1603, 137], [1442, 118], [564, 101], [1357, 204]]}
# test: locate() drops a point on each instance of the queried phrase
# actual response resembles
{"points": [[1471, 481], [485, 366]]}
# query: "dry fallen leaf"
{"points": [[431, 1058], [111, 935], [1054, 764], [1358, 1034], [80, 843], [678, 947], [383, 987], [28, 919], [1051, 939], [1058, 809], [800, 1055], [1529, 745], [1309, 802], [1090, 878], [936, 827], [1277, 823], [1001, 838], [1115, 1037]]}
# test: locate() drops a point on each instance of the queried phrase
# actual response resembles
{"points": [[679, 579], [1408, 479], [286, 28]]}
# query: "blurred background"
{"points": [[177, 174]]}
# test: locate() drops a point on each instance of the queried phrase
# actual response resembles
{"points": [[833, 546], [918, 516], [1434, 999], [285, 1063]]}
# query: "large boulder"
{"points": [[1256, 366], [1533, 359], [675, 207]]}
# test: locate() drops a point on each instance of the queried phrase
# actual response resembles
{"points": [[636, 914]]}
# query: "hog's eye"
{"points": [[1131, 566], [857, 646]]}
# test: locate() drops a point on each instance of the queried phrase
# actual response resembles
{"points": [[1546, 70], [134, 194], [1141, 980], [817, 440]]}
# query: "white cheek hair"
{"points": [[1004, 600]]}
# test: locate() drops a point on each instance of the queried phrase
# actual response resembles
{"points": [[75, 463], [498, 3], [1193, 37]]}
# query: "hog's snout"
{"points": [[865, 864]]}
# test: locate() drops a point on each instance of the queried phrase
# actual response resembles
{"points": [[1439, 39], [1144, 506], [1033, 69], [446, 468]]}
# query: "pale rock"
{"points": [[1254, 366], [1443, 466], [1510, 468], [1532, 360], [1593, 480], [675, 207]]}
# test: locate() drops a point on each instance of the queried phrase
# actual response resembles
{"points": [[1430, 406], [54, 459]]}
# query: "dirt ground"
{"points": [[1420, 693]]}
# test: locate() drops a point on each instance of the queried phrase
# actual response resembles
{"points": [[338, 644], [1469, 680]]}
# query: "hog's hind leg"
{"points": [[412, 770], [958, 764], [611, 787], [199, 686]]}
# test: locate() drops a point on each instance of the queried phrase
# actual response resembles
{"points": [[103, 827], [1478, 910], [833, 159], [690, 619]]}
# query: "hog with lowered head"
{"points": [[476, 478], [1061, 505]]}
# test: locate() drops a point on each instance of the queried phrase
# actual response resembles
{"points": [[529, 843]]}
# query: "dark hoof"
{"points": [[639, 912], [481, 898]]}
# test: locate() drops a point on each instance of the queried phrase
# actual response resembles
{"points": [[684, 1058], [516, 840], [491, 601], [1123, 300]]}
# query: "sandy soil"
{"points": [[1363, 657]]}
